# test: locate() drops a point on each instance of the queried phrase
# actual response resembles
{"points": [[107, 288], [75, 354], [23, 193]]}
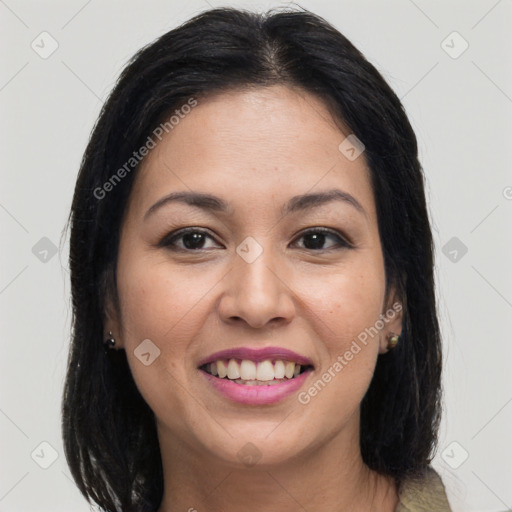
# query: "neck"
{"points": [[326, 478]]}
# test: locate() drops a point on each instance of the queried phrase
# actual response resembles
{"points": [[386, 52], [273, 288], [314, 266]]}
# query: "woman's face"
{"points": [[255, 275]]}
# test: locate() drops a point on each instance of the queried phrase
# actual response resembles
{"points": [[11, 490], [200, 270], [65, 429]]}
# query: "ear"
{"points": [[111, 316], [392, 317]]}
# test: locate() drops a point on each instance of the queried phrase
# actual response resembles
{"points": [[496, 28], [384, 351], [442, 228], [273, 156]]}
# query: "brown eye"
{"points": [[191, 239], [314, 239]]}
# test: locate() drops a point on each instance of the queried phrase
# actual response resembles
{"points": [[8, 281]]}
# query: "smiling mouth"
{"points": [[249, 373]]}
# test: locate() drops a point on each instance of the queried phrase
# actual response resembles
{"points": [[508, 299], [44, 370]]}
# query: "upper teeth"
{"points": [[249, 370]]}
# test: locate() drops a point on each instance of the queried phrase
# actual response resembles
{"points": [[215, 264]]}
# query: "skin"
{"points": [[255, 149]]}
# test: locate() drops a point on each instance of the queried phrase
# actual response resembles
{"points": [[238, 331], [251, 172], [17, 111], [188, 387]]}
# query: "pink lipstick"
{"points": [[256, 376], [258, 354]]}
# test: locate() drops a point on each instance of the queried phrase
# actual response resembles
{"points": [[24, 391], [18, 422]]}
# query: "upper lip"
{"points": [[257, 355]]}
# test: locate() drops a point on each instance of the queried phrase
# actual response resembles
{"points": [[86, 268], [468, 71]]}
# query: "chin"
{"points": [[254, 444]]}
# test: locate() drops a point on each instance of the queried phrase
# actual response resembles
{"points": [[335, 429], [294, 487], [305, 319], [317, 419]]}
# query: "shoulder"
{"points": [[424, 492]]}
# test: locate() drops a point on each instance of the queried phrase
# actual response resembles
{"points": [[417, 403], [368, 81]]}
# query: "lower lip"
{"points": [[256, 395]]}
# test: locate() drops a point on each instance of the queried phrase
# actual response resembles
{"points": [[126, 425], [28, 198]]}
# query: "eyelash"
{"points": [[169, 240]]}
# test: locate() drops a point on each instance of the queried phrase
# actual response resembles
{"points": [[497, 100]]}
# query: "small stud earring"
{"points": [[392, 340], [110, 341]]}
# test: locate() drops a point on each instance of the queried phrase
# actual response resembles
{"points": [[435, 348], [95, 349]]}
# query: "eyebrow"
{"points": [[212, 203]]}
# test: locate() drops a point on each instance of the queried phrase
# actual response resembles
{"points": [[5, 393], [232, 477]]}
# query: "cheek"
{"points": [[347, 311], [347, 301], [160, 306], [168, 305], [158, 300], [347, 307]]}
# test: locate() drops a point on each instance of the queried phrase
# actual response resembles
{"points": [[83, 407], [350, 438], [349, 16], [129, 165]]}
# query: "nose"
{"points": [[257, 293]]}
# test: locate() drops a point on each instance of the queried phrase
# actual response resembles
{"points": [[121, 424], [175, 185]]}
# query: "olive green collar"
{"points": [[424, 493]]}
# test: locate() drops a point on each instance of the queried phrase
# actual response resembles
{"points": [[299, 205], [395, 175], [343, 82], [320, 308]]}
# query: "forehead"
{"points": [[251, 145]]}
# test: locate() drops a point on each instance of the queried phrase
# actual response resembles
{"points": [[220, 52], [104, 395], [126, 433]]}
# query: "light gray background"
{"points": [[461, 110]]}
